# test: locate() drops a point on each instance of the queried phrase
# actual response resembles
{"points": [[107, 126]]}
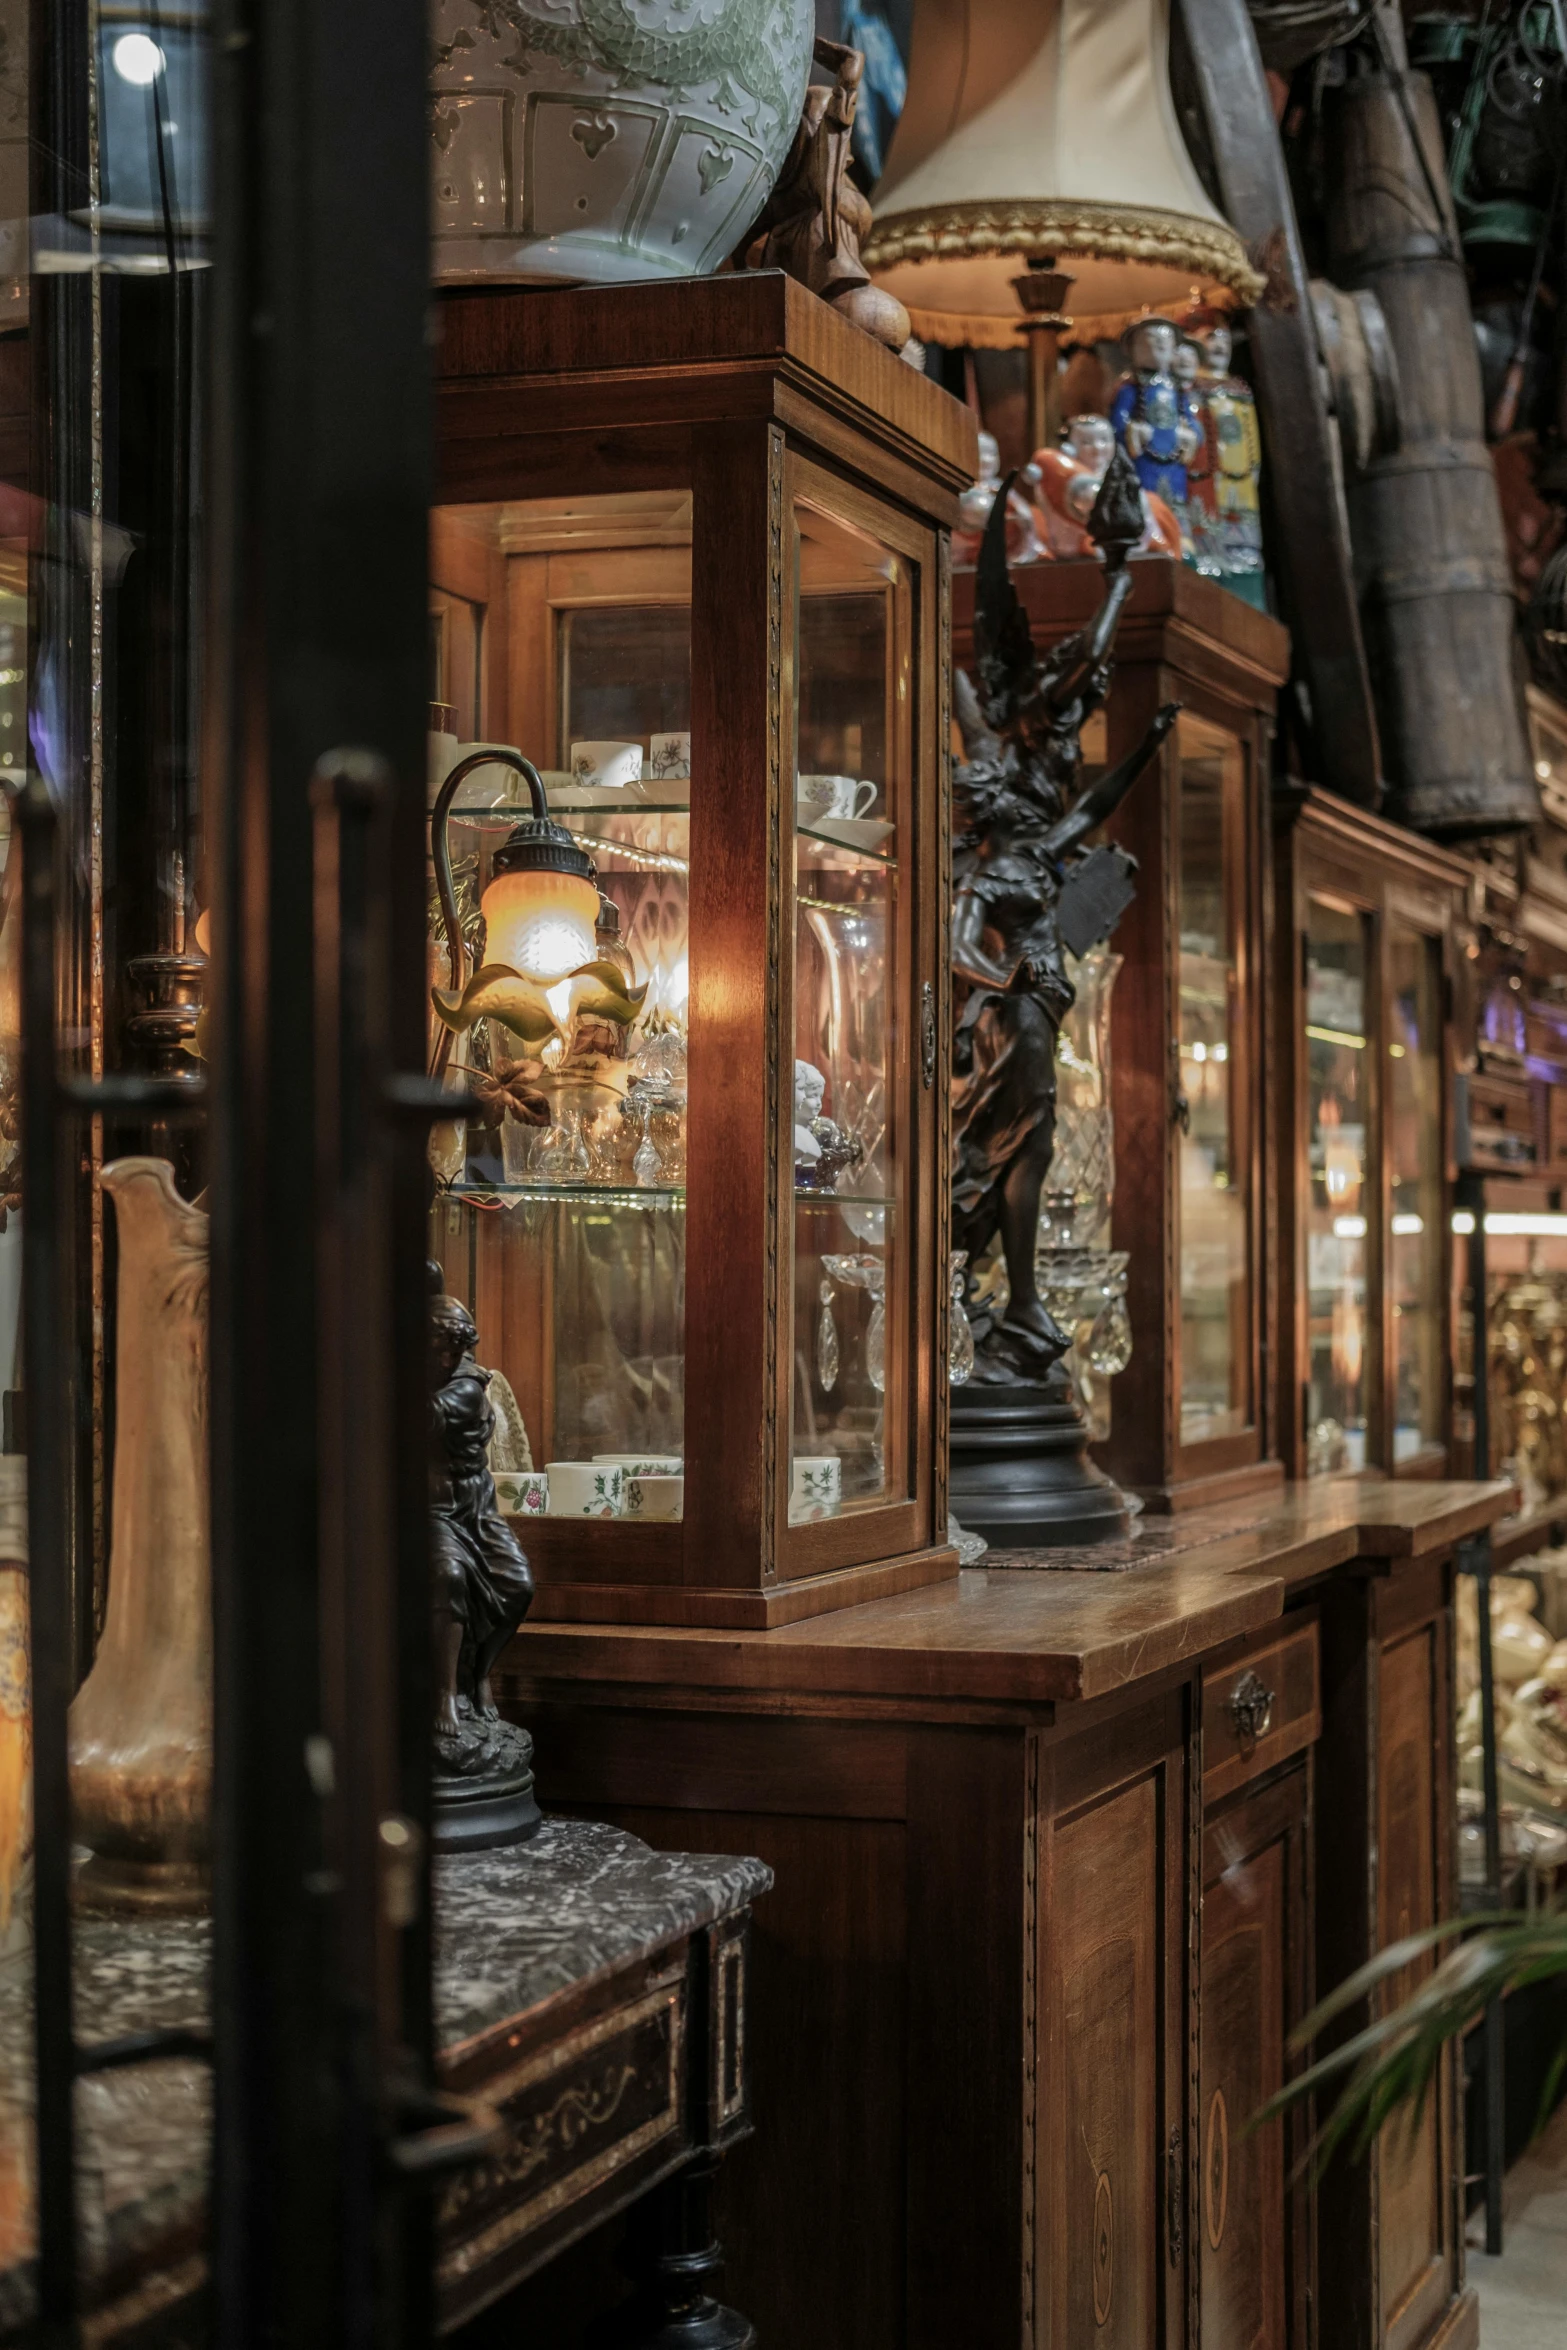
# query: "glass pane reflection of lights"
{"points": [[1215, 1280], [562, 627], [848, 1346], [1415, 1227], [1337, 1093]]}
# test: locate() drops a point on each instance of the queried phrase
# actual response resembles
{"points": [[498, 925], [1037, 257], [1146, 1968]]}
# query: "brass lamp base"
{"points": [[167, 1888]]}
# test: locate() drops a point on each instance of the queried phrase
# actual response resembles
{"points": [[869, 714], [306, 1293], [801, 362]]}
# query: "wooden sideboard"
{"points": [[1050, 1891]]}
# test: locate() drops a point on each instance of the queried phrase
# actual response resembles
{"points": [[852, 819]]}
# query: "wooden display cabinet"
{"points": [[1364, 917], [706, 523], [1191, 1415]]}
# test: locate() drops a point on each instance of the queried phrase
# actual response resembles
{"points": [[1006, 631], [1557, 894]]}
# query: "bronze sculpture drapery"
{"points": [[483, 1783], [1020, 821]]}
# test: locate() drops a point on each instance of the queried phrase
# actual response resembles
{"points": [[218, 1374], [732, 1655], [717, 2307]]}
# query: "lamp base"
{"points": [[1021, 1475], [167, 1888]]}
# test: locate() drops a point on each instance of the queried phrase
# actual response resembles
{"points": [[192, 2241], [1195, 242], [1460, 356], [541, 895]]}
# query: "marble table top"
{"points": [[513, 1930]]}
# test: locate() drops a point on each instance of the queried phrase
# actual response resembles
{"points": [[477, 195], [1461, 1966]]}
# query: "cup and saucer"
{"points": [[833, 807]]}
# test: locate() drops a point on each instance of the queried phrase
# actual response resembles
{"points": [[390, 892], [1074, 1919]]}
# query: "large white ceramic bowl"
{"points": [[606, 140]]}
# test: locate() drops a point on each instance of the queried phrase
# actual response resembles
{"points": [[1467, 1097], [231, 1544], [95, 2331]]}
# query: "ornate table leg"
{"points": [[674, 2255]]}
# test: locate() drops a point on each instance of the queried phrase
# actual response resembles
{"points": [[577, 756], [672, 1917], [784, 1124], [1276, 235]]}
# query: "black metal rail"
{"points": [[1474, 1558]]}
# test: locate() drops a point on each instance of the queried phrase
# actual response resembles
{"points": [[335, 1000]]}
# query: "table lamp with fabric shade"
{"points": [[1039, 151]]}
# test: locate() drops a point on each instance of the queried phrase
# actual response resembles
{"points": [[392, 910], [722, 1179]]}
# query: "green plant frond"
{"points": [[1392, 2062], [1392, 1961], [1553, 2081]]}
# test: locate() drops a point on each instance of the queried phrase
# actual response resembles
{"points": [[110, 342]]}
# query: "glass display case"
{"points": [[692, 1199], [1214, 1108], [1363, 912], [1188, 1417]]}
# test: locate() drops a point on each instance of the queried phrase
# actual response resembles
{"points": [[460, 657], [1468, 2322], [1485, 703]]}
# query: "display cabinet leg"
{"points": [[675, 2256]]}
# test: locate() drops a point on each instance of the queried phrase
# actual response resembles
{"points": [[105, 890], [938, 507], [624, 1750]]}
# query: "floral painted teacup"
{"points": [[815, 1486], [522, 1492], [655, 1497], [586, 1489]]}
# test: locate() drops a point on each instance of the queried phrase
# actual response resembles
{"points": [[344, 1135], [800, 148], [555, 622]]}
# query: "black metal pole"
{"points": [[1477, 1560], [46, 1191], [318, 503]]}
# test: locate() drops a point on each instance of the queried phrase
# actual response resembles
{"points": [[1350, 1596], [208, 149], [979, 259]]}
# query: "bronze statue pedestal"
{"points": [[482, 1792], [1021, 1475]]}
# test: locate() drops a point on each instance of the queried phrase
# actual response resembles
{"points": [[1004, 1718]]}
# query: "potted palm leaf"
{"points": [[1391, 2063]]}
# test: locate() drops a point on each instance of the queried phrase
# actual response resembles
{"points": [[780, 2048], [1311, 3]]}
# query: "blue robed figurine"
{"points": [[1156, 420]]}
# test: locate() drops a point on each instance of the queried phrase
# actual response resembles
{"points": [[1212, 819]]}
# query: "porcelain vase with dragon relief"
{"points": [[603, 141]]}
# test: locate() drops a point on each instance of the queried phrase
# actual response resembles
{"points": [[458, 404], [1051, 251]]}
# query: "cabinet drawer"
{"points": [[1259, 1708]]}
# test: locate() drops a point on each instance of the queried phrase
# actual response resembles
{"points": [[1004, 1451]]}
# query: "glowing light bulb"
{"points": [[540, 923], [137, 59]]}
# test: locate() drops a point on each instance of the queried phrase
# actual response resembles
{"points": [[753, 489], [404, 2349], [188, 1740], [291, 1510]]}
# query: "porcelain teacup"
{"points": [[833, 795], [586, 1489]]}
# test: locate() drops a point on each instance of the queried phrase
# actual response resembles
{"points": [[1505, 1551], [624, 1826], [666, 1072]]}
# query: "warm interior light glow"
{"points": [[1349, 1227], [137, 59], [541, 924], [1463, 1222], [1405, 1227]]}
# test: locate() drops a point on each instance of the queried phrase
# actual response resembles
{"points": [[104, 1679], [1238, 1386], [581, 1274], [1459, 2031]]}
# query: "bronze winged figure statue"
{"points": [[1020, 819]]}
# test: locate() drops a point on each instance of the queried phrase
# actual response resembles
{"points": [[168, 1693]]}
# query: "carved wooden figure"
{"points": [[815, 218]]}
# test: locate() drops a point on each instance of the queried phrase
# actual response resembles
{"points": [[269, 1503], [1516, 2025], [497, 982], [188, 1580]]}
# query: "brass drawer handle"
{"points": [[1251, 1708]]}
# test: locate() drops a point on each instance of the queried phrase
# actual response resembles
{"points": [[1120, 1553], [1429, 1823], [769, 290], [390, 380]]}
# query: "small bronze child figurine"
{"points": [[483, 1589]]}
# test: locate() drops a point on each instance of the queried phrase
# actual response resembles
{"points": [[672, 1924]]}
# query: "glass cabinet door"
{"points": [[1338, 1133], [1415, 1152], [562, 1225], [1215, 1251], [849, 1341]]}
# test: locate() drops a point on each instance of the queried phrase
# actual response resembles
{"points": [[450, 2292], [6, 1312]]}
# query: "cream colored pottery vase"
{"points": [[141, 1724], [603, 141]]}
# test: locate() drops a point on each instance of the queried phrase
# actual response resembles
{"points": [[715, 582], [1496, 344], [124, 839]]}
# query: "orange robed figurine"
{"points": [[1068, 483]]}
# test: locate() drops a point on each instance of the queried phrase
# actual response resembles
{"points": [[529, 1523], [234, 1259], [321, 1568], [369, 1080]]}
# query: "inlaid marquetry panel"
{"points": [[575, 2113], [1103, 2145], [1244, 1995]]}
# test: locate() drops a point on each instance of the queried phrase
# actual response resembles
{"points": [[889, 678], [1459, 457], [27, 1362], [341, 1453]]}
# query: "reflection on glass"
{"points": [[563, 1226], [1415, 1227], [848, 1345], [1215, 1285], [1337, 1116]]}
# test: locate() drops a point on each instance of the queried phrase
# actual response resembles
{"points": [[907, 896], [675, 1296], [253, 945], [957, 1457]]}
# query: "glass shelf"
{"points": [[627, 1195], [846, 856], [607, 1195]]}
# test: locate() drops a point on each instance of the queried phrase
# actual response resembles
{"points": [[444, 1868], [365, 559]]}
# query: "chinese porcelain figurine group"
{"points": [[1189, 427]]}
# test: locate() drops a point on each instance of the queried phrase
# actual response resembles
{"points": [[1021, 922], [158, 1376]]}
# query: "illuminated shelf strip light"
{"points": [[1349, 1227], [1511, 1224], [1355, 1044]]}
